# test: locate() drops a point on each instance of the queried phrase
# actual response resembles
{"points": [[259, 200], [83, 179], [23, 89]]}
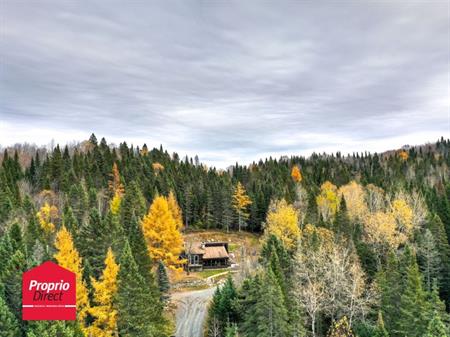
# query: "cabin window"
{"points": [[194, 259]]}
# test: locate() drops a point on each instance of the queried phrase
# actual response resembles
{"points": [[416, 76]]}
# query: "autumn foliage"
{"points": [[240, 203], [296, 174], [164, 240], [68, 257], [103, 310]]}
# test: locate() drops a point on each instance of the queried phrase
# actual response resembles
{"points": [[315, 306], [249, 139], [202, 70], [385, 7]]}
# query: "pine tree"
{"points": [[163, 282], [435, 225], [133, 204], [52, 329], [412, 320], [139, 313], [380, 330], [270, 309], [248, 298], [342, 220], [93, 241], [429, 256], [436, 328], [9, 324], [11, 281], [103, 309], [67, 257]]}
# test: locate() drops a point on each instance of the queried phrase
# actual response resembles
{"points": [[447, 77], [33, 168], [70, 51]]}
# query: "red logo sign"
{"points": [[49, 293]]}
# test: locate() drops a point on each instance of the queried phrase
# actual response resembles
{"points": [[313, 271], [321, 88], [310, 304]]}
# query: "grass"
{"points": [[232, 247], [210, 272]]}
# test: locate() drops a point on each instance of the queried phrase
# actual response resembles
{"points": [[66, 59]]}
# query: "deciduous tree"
{"points": [[240, 203], [163, 239], [103, 309], [67, 257]]}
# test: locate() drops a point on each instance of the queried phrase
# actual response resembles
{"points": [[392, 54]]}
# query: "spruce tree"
{"points": [[140, 252], [11, 278], [342, 220], [380, 329], [412, 319], [436, 328], [9, 324], [435, 225], [163, 282], [270, 309], [92, 242], [139, 312]]}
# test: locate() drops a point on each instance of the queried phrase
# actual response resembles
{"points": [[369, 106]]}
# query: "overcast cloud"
{"points": [[227, 80]]}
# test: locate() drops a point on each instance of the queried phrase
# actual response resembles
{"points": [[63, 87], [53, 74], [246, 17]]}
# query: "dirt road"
{"points": [[192, 311]]}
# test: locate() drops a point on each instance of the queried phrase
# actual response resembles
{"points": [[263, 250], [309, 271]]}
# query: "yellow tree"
{"points": [[116, 188], [114, 206], [240, 203], [282, 221], [175, 210], [164, 240], [403, 155], [296, 174], [115, 185], [68, 257], [327, 201], [403, 215], [380, 228], [46, 216], [354, 196], [105, 289], [157, 167]]}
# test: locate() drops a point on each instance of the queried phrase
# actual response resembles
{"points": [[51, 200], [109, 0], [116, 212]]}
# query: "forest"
{"points": [[351, 245]]}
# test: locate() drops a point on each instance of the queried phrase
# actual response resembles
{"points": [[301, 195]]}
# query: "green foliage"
{"points": [[412, 318], [222, 310], [9, 325], [93, 242], [163, 282], [436, 328], [270, 309], [139, 311], [78, 180]]}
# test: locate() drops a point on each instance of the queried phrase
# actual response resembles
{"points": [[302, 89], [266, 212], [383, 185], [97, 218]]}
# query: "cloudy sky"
{"points": [[227, 80]]}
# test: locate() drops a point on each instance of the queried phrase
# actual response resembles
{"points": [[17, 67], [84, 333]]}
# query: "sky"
{"points": [[227, 80]]}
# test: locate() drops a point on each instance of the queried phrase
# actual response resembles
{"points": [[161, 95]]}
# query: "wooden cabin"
{"points": [[206, 255]]}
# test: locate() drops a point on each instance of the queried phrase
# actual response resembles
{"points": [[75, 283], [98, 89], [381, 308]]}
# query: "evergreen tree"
{"points": [[342, 220], [436, 227], [9, 325], [436, 328], [140, 251], [380, 330], [93, 241], [270, 309], [11, 281], [163, 282], [139, 313], [412, 320], [52, 329]]}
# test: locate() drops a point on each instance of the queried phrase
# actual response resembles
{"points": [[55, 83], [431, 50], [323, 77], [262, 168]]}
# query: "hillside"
{"points": [[361, 239]]}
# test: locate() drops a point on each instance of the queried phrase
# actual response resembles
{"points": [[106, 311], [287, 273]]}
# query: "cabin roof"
{"points": [[209, 250], [215, 253]]}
